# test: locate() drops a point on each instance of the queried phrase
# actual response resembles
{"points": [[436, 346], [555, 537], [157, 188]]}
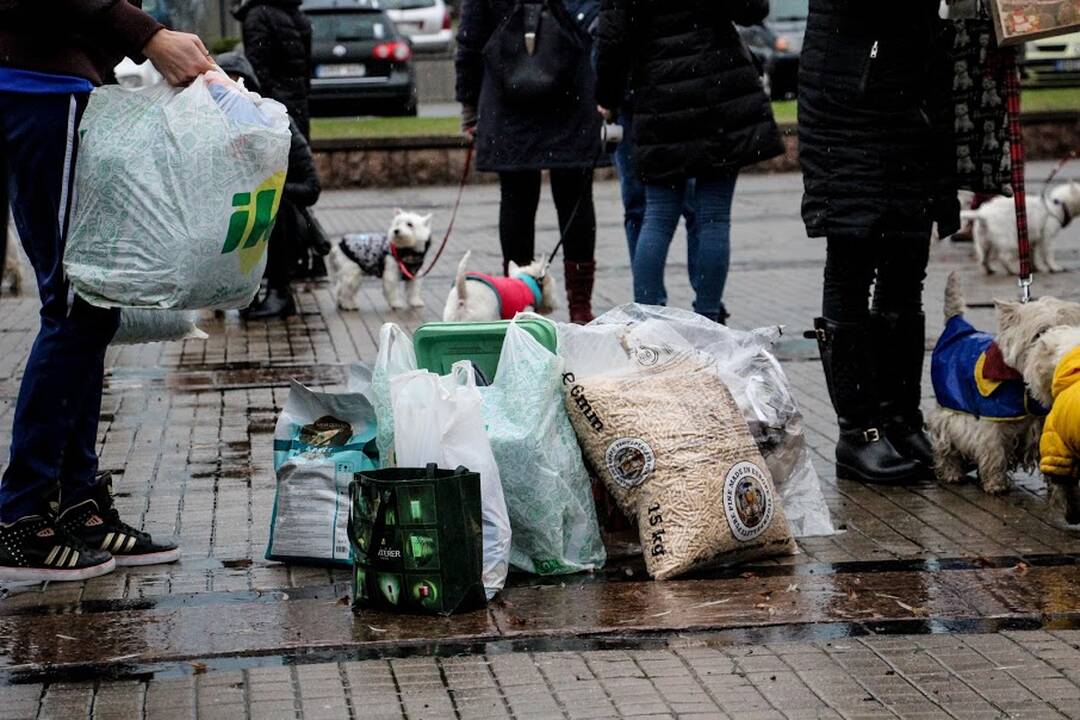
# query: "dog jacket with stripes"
{"points": [[970, 376], [515, 294]]}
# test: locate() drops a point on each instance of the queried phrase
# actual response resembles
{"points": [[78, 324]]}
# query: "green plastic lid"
{"points": [[439, 345]]}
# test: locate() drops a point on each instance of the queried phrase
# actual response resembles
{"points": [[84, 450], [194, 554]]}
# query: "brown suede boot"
{"points": [[579, 286]]}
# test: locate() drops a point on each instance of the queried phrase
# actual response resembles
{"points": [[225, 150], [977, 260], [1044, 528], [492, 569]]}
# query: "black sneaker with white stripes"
{"points": [[34, 549], [96, 522]]}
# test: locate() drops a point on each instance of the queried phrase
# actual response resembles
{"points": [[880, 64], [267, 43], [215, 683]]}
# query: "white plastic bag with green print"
{"points": [[395, 357], [552, 513], [321, 440], [177, 192]]}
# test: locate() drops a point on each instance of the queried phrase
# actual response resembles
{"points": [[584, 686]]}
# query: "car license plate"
{"points": [[1067, 65], [342, 70]]}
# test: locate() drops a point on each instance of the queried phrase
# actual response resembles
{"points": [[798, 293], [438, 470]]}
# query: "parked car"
{"points": [[1052, 61], [776, 44], [361, 63], [426, 22]]}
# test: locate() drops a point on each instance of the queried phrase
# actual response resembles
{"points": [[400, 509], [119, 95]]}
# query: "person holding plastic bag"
{"points": [[52, 54]]}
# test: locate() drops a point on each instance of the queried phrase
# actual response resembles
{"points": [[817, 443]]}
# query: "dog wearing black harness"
{"points": [[396, 257], [995, 234]]}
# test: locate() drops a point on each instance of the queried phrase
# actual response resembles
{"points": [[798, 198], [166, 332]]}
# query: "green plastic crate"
{"points": [[440, 345]]}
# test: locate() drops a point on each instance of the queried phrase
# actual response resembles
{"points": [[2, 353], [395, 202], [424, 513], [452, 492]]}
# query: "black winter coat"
{"points": [[509, 138], [277, 41], [699, 106], [875, 134]]}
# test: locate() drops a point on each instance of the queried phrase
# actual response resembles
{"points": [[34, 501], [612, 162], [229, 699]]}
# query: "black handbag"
{"points": [[535, 53]]}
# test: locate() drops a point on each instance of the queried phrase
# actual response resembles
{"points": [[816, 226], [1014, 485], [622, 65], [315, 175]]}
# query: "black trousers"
{"points": [[517, 214], [894, 266], [282, 251]]}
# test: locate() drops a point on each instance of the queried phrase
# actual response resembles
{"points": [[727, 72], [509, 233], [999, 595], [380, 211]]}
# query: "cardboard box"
{"points": [[1018, 21]]}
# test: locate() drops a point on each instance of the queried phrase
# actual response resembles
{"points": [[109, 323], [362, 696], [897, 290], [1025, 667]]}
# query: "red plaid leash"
{"points": [[449, 228], [1016, 152]]}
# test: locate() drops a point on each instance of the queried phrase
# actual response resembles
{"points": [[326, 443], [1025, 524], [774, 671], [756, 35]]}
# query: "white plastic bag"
{"points": [[629, 336], [177, 196], [552, 513], [396, 357], [438, 420], [139, 325]]}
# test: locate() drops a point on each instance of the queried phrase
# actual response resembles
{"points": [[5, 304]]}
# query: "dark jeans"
{"points": [[633, 200], [895, 266], [663, 206], [517, 214], [281, 253], [54, 439]]}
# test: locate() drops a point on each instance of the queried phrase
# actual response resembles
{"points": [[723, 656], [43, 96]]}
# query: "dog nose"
{"points": [[397, 231]]}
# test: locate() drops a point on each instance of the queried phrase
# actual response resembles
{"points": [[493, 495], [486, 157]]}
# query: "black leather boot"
{"points": [[863, 453], [899, 350], [276, 304]]}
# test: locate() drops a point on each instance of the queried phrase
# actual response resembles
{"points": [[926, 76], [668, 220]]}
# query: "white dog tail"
{"points": [[459, 281], [954, 296]]}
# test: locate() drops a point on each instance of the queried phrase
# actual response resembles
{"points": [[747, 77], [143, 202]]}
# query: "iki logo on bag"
{"points": [[252, 220]]}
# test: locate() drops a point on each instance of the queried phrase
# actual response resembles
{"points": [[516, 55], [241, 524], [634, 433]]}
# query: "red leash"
{"points": [[449, 228], [1016, 152]]}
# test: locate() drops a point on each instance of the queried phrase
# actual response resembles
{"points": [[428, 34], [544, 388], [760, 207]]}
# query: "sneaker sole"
{"points": [[157, 558], [16, 574]]}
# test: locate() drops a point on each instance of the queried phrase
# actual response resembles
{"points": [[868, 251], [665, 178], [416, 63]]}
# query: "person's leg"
{"points": [[54, 435], [520, 196], [281, 258], [713, 219], [663, 205], [631, 187], [900, 328], [845, 340], [689, 212], [572, 190]]}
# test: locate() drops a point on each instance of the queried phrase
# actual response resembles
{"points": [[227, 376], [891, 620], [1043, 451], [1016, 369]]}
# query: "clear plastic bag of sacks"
{"points": [[140, 325], [178, 191], [744, 361]]}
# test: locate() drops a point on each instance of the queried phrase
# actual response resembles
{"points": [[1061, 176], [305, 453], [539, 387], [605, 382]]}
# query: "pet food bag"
{"points": [[437, 420], [744, 361], [416, 540], [141, 325], [552, 514], [671, 446], [178, 191], [321, 440]]}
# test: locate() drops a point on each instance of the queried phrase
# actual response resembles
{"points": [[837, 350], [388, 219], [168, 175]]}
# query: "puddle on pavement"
{"points": [[224, 376], [296, 625]]}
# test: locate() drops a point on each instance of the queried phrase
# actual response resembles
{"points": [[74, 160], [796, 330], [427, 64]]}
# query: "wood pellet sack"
{"points": [[673, 449]]}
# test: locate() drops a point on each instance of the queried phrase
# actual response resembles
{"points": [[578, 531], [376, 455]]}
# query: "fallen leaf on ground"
{"points": [[197, 667]]}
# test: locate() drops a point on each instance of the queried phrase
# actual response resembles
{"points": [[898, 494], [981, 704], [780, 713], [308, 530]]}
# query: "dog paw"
{"points": [[398, 306], [417, 303], [996, 486], [347, 306]]}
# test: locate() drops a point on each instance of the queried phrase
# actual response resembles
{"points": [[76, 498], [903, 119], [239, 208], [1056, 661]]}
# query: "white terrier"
{"points": [[476, 297], [405, 245], [995, 229], [984, 415]]}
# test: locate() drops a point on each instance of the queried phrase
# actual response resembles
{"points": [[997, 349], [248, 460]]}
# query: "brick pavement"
{"points": [[1026, 674], [188, 428]]}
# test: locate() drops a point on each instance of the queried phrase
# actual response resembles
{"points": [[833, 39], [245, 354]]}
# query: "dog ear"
{"points": [[513, 268], [426, 220], [1006, 312], [398, 211], [544, 264]]}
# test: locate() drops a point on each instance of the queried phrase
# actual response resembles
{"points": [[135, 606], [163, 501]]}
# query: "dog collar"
{"points": [[1066, 216], [534, 287]]}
